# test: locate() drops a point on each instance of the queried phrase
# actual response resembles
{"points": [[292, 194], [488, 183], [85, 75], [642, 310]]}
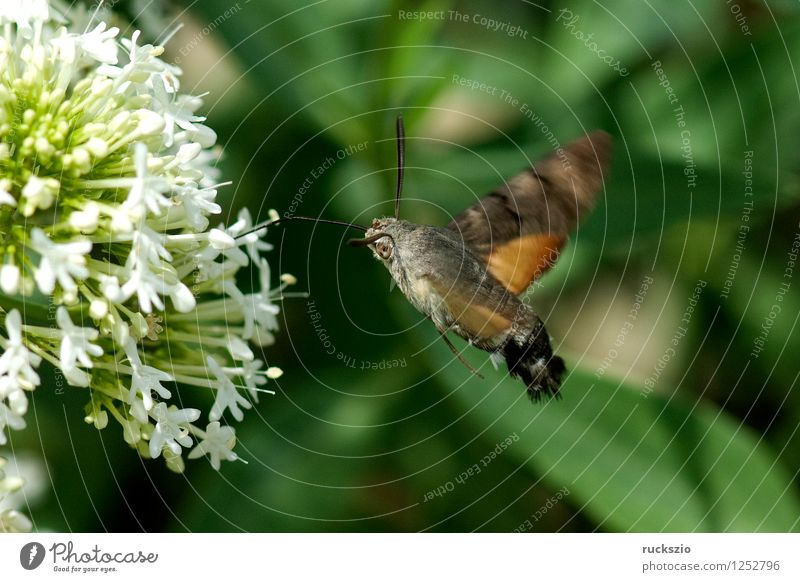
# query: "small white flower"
{"points": [[121, 222], [197, 203], [206, 164], [148, 245], [253, 377], [97, 147], [9, 279], [11, 419], [77, 377], [110, 288], [146, 191], [148, 123], [144, 283], [252, 241], [220, 240], [6, 199], [150, 284], [100, 44], [217, 443], [228, 395], [145, 272], [38, 193], [18, 402], [17, 363], [86, 220], [24, 13], [143, 62], [172, 428], [12, 521], [132, 429], [98, 309], [9, 484], [239, 349], [259, 312], [75, 343], [178, 112], [138, 412], [96, 415], [186, 155], [60, 262], [145, 379], [182, 297]]}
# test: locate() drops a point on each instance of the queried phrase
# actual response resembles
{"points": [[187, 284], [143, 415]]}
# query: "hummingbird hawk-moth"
{"points": [[467, 276]]}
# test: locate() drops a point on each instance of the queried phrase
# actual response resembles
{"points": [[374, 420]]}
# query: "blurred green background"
{"points": [[670, 420]]}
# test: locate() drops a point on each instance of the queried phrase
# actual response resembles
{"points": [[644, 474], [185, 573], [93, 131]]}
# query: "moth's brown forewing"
{"points": [[519, 229]]}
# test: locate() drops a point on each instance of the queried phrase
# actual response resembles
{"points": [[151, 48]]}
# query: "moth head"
{"points": [[384, 238], [379, 238]]}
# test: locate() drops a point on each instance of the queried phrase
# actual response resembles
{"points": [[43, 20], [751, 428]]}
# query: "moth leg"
{"points": [[457, 354]]}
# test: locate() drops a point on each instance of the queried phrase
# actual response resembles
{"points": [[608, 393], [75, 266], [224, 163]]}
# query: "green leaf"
{"points": [[636, 461], [590, 46]]}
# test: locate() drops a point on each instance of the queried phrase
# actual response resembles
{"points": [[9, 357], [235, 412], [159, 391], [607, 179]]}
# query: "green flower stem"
{"points": [[44, 354], [6, 213], [6, 221], [199, 339], [43, 332]]}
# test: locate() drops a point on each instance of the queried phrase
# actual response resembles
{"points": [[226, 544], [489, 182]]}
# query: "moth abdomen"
{"points": [[530, 357]]}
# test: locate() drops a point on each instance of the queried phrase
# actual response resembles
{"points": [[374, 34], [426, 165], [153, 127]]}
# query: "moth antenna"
{"points": [[401, 162], [307, 218]]}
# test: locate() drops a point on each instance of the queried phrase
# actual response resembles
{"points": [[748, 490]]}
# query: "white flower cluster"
{"points": [[105, 195]]}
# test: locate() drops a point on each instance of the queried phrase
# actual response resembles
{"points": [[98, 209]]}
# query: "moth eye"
{"points": [[384, 250]]}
